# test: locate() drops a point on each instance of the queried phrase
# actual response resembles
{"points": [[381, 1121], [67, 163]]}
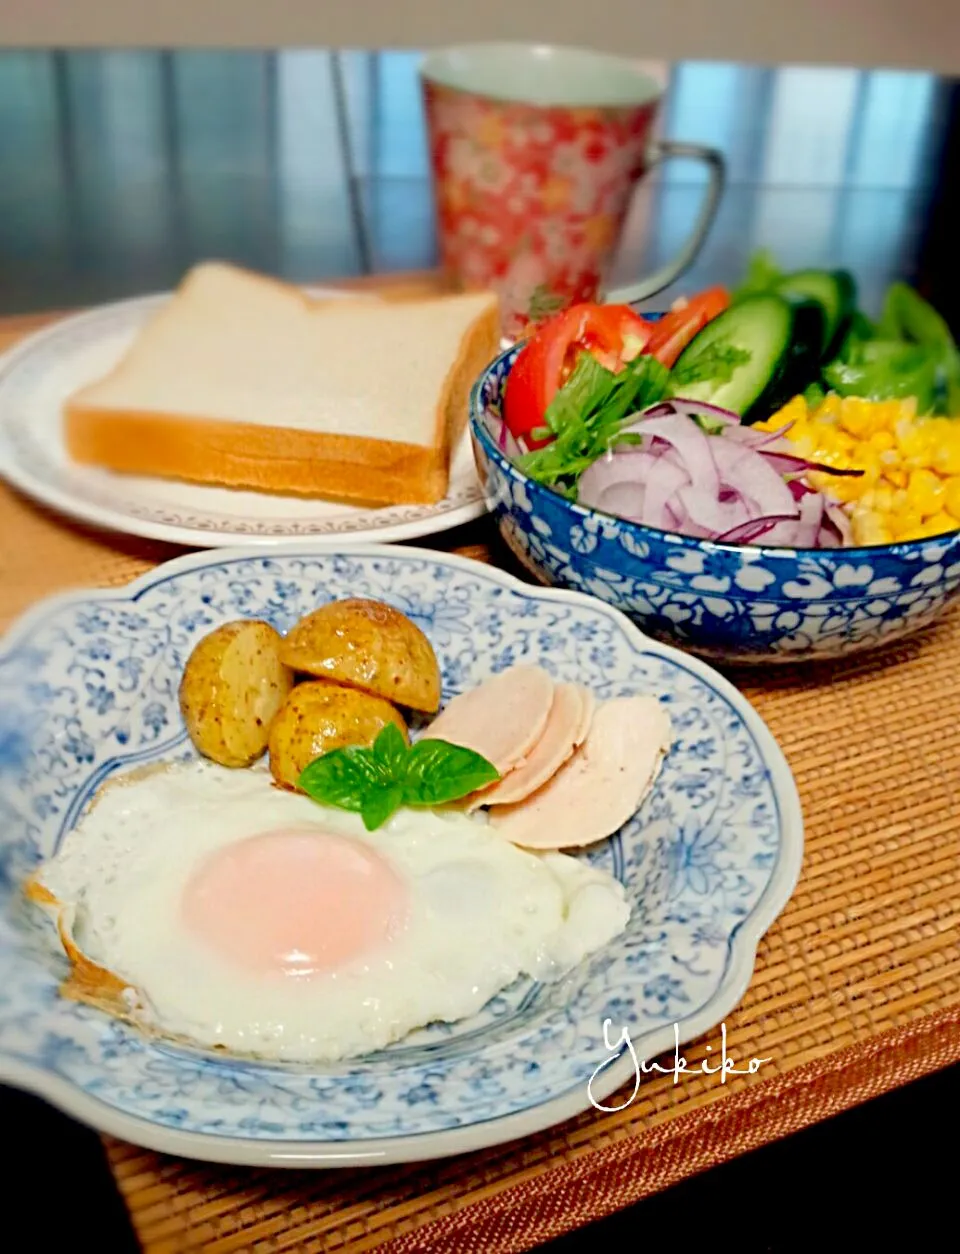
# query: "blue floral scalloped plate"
{"points": [[88, 686]]}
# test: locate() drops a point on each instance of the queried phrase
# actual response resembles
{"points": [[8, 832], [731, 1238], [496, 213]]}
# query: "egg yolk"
{"points": [[294, 902]]}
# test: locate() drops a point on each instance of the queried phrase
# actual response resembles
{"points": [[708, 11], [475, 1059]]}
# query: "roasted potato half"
{"points": [[232, 686], [319, 716], [367, 645]]}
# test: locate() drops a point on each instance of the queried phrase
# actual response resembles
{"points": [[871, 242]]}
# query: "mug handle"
{"points": [[716, 170]]}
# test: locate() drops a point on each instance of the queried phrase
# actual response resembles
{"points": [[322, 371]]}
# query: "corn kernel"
{"points": [[884, 442], [926, 492], [858, 417], [805, 442], [938, 525], [910, 481], [841, 489], [844, 443], [869, 463], [903, 523], [870, 529], [795, 410], [883, 500], [946, 458], [913, 441]]}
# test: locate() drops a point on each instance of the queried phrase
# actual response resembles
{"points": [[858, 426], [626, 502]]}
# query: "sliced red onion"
{"points": [[700, 409], [835, 520], [787, 463], [740, 465], [750, 532], [663, 484], [811, 519], [659, 410], [710, 515], [736, 485], [757, 439], [693, 445], [508, 443], [792, 464], [625, 463], [624, 499]]}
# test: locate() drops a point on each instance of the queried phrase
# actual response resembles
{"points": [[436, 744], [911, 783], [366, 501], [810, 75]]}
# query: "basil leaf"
{"points": [[438, 772], [375, 781], [380, 805], [343, 778], [390, 750]]}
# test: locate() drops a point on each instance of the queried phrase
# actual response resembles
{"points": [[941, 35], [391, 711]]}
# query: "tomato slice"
{"points": [[675, 330], [613, 334]]}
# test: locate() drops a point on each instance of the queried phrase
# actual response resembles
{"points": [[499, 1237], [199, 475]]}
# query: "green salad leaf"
{"points": [[885, 370], [717, 363], [908, 352], [374, 781], [814, 394], [763, 273], [908, 317], [587, 414]]}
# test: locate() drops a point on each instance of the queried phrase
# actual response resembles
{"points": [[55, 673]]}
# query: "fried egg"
{"points": [[207, 906]]}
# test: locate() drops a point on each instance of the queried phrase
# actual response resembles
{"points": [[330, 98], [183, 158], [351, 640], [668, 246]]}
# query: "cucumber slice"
{"points": [[738, 356], [801, 365], [833, 290]]}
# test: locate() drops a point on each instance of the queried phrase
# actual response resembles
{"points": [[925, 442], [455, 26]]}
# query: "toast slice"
{"points": [[243, 381]]}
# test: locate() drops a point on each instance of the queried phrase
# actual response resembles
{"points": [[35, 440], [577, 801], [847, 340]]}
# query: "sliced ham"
{"points": [[589, 705], [564, 732], [502, 719], [600, 787]]}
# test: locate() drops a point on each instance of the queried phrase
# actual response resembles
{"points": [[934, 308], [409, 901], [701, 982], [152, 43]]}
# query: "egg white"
{"points": [[481, 913]]}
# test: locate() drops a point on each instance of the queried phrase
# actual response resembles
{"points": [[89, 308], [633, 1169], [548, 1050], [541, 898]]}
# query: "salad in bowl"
{"points": [[758, 474]]}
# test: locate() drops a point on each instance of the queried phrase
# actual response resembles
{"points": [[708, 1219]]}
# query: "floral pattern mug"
{"points": [[536, 151]]}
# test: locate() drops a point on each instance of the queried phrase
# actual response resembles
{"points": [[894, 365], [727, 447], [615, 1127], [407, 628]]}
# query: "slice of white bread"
{"points": [[243, 381]]}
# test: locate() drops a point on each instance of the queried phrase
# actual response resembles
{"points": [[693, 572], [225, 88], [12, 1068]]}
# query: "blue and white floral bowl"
{"points": [[88, 687], [731, 603]]}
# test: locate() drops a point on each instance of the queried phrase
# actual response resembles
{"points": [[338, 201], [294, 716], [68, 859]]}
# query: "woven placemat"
{"points": [[857, 986]]}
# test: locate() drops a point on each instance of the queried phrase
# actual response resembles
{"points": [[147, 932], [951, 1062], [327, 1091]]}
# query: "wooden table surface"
{"points": [[856, 988]]}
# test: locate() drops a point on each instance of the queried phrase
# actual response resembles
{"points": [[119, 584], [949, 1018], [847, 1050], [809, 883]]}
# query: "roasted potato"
{"points": [[367, 645], [233, 684], [319, 716]]}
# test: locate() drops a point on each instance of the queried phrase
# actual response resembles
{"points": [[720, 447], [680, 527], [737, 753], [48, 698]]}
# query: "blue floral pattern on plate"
{"points": [[732, 603], [88, 686]]}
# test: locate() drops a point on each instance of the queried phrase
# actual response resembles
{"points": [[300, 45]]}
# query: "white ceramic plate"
{"points": [[88, 686], [36, 377]]}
